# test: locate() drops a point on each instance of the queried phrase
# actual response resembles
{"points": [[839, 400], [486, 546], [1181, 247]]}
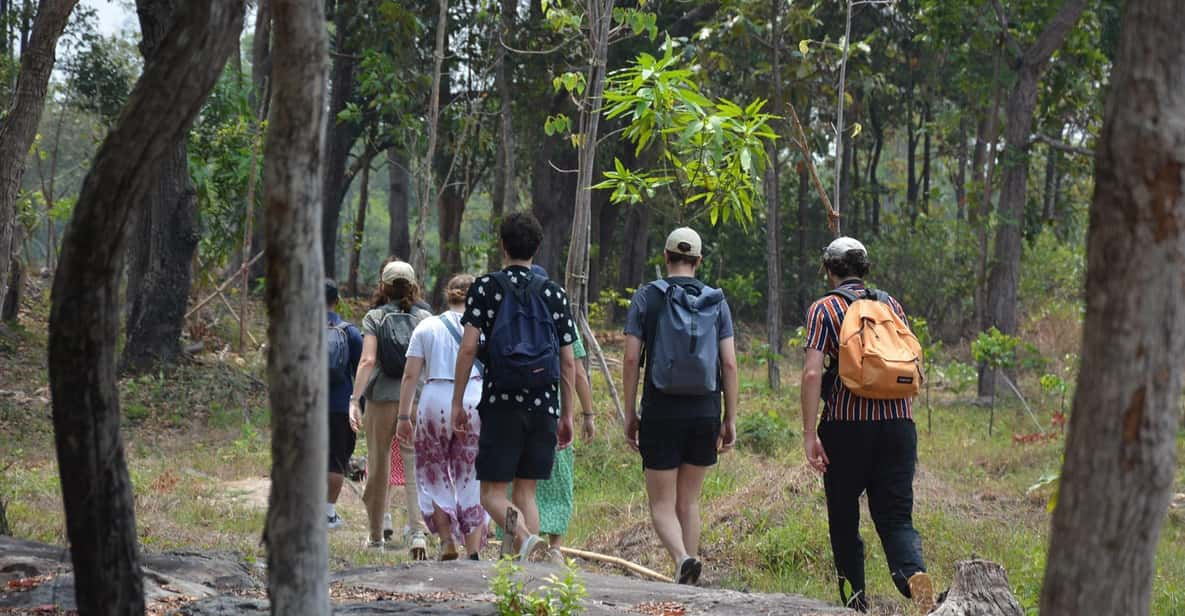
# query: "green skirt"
{"points": [[554, 496]]}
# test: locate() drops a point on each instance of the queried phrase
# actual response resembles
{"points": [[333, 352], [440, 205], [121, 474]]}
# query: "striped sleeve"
{"points": [[818, 327], [899, 310]]}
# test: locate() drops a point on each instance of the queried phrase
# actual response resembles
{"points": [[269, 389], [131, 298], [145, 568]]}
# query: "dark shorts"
{"points": [[515, 444], [670, 443], [341, 443]]}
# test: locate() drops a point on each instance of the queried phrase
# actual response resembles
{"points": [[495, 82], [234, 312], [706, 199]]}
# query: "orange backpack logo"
{"points": [[879, 357]]}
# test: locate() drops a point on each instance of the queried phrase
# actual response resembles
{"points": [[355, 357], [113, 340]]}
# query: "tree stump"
{"points": [[980, 588]]}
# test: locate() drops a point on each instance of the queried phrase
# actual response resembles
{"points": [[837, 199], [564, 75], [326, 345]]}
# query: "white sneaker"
{"points": [[335, 521], [388, 529], [418, 546]]}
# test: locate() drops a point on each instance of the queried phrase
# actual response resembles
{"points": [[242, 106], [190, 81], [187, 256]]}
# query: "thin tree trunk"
{"points": [[297, 546], [805, 286], [96, 491], [427, 186], [1022, 102], [450, 209], [24, 115], [926, 158], [398, 199], [773, 219], [359, 229], [1119, 466], [986, 383], [960, 180], [874, 188], [167, 234], [1049, 192], [504, 194]]}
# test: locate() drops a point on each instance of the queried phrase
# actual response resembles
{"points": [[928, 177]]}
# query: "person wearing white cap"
{"points": [[393, 317], [861, 444], [680, 431]]}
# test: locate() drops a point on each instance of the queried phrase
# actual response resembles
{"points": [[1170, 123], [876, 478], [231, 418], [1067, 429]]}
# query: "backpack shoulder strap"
{"points": [[844, 293], [456, 334], [535, 286]]}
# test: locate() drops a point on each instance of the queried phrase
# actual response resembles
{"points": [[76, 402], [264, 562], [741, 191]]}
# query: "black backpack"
{"points": [[394, 335]]}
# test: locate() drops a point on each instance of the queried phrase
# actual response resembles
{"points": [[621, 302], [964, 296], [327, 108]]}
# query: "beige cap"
{"points": [[841, 246], [398, 270], [685, 236]]}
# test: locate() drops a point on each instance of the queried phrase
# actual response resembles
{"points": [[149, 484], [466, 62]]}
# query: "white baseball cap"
{"points": [[685, 241], [398, 270], [841, 246]]}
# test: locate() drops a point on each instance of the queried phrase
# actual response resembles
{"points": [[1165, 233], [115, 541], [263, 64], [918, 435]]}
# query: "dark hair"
{"points": [[401, 291], [331, 294], [457, 289], [853, 264], [521, 235], [675, 258]]}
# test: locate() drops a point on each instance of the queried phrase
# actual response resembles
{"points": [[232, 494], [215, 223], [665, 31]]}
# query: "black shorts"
{"points": [[515, 444], [341, 443], [669, 443]]}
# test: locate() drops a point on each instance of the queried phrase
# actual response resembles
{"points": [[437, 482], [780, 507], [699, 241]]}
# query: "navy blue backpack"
{"points": [[524, 348], [338, 344]]}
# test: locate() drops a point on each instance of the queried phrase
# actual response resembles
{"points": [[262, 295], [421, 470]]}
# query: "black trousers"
{"points": [[879, 457]]}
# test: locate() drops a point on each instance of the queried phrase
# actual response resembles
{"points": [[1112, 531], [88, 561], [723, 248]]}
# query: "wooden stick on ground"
{"points": [[620, 562], [807, 157]]}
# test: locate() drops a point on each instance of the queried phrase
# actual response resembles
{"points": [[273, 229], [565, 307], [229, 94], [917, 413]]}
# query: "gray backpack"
{"points": [[683, 350]]}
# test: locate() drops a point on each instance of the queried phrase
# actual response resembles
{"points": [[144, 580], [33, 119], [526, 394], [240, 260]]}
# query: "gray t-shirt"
{"points": [[382, 388], [656, 404]]}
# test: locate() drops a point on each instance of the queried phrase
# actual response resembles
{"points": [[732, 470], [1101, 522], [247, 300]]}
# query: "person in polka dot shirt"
{"points": [[520, 428]]}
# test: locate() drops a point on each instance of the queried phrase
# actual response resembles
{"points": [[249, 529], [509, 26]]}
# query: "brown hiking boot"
{"points": [[921, 590]]}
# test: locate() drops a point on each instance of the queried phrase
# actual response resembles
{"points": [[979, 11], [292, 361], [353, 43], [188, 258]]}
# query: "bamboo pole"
{"points": [[620, 562]]}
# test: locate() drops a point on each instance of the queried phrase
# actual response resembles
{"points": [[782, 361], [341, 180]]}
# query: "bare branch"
{"points": [[552, 165], [1062, 146], [1008, 39]]}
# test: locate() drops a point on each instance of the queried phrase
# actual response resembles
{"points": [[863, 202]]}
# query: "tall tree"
{"points": [[1018, 111], [503, 195], [398, 198], [1119, 464], [427, 185], [19, 126], [96, 491], [166, 232], [773, 216], [297, 546], [342, 134]]}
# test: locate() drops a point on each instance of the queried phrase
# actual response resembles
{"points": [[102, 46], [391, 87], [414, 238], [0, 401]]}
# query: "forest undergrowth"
{"points": [[198, 447]]}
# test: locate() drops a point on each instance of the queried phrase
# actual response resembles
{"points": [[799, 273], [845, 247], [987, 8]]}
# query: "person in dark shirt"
{"points": [[520, 428], [678, 436], [341, 437]]}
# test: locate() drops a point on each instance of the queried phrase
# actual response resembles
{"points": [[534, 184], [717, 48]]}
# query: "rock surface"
{"points": [[197, 583]]}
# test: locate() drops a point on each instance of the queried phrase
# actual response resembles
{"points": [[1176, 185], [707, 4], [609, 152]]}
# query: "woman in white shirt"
{"points": [[449, 493]]}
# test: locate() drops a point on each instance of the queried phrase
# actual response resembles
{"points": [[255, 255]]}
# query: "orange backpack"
{"points": [[879, 357]]}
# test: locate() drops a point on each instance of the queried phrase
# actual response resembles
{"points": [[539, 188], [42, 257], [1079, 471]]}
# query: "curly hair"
{"points": [[521, 235], [853, 264]]}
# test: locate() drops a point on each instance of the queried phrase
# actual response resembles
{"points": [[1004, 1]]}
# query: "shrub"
{"points": [[763, 432]]}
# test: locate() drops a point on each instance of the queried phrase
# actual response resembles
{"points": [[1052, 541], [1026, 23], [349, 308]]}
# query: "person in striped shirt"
{"points": [[860, 445]]}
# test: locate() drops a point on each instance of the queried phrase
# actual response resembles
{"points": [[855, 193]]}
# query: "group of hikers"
{"points": [[497, 381]]}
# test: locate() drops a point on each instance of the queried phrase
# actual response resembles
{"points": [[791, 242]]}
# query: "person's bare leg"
{"points": [[335, 486], [473, 541], [495, 502], [661, 491], [556, 541], [524, 501], [443, 528], [689, 486]]}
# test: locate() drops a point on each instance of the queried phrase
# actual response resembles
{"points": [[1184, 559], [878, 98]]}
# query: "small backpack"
{"points": [[879, 357], [394, 335], [684, 347], [338, 343], [523, 350]]}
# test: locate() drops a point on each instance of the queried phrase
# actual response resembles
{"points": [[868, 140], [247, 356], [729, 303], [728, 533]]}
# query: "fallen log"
{"points": [[620, 562]]}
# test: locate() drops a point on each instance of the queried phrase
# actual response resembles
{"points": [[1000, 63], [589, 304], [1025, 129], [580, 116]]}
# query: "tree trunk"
{"points": [[166, 232], [359, 229], [504, 194], [980, 218], [874, 188], [1119, 464], [926, 158], [552, 191], [605, 218], [1022, 102], [636, 237], [980, 588], [261, 66], [427, 185], [96, 492], [1049, 192], [960, 180], [450, 209], [805, 261], [297, 546], [398, 199], [341, 138], [911, 152], [10, 307], [20, 123]]}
